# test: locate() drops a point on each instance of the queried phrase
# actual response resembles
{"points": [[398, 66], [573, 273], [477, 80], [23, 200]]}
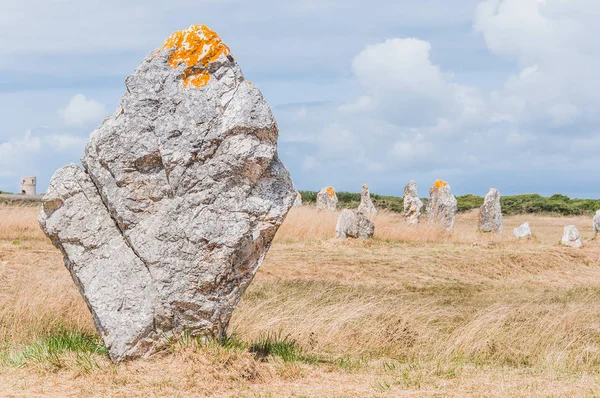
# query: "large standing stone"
{"points": [[522, 231], [327, 199], [571, 237], [354, 224], [442, 206], [412, 204], [490, 213], [366, 206], [298, 201], [597, 223], [180, 199]]}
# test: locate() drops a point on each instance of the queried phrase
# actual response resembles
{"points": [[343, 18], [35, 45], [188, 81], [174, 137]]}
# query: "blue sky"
{"points": [[481, 93]]}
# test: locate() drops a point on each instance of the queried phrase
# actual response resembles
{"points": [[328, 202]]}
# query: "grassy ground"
{"points": [[413, 312]]}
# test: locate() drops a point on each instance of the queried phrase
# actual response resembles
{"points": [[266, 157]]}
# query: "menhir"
{"points": [[179, 198]]}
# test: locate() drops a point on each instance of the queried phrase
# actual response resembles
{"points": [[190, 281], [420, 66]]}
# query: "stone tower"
{"points": [[28, 186]]}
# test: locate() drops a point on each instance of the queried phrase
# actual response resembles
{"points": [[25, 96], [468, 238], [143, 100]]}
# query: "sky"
{"points": [[479, 93]]}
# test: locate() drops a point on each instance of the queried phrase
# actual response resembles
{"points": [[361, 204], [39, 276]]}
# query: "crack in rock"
{"points": [[169, 222]]}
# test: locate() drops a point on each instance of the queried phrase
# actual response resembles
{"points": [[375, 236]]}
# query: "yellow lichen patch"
{"points": [[195, 47], [439, 183], [331, 192], [365, 186]]}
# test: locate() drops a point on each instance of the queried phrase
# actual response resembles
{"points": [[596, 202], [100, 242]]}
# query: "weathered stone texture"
{"points": [[180, 199], [298, 201], [596, 225], [413, 206], [327, 199], [490, 213], [571, 237], [354, 224], [442, 206], [366, 205], [522, 231]]}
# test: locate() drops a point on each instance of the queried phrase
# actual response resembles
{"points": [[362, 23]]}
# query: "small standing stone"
{"points": [[298, 201], [327, 199], [490, 213], [413, 206], [522, 231], [354, 224], [366, 206], [442, 206], [597, 223], [571, 237]]}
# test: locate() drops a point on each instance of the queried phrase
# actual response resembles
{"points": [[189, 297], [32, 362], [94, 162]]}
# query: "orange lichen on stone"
{"points": [[195, 47], [331, 192], [439, 183]]}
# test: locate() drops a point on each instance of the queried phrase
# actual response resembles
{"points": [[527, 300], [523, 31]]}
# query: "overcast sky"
{"points": [[480, 93]]}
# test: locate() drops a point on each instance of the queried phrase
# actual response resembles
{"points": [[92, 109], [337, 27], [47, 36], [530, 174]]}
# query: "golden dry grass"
{"points": [[413, 312]]}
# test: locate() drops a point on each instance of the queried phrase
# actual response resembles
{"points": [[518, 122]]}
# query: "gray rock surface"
{"points": [[366, 206], [327, 199], [597, 223], [442, 206], [298, 201], [522, 231], [490, 213], [571, 237], [413, 205], [180, 199], [354, 224]]}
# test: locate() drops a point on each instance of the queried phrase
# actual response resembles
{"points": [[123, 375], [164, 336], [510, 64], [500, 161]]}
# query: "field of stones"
{"points": [[179, 260], [413, 311]]}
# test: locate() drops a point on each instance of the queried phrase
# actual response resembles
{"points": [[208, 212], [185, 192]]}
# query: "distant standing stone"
{"points": [[327, 199], [298, 201], [597, 223], [522, 231], [490, 213], [413, 206], [354, 224], [366, 206], [571, 237], [442, 206]]}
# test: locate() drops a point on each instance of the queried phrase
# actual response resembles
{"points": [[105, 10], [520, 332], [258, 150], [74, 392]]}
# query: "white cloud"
{"points": [[362, 104], [399, 66], [37, 152], [553, 42], [81, 111]]}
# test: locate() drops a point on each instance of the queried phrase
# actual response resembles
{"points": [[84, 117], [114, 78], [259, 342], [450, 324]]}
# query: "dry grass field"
{"points": [[413, 312]]}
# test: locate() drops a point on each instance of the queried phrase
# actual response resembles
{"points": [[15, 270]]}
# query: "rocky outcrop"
{"points": [[180, 197], [571, 237], [298, 201], [596, 225], [522, 231], [354, 224], [366, 206], [413, 206], [327, 199], [442, 206], [490, 213]]}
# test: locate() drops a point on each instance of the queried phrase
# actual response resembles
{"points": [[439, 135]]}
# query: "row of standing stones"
{"points": [[179, 198], [441, 210]]}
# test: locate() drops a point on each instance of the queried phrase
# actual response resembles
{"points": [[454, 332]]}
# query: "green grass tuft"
{"points": [[49, 349], [284, 347]]}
